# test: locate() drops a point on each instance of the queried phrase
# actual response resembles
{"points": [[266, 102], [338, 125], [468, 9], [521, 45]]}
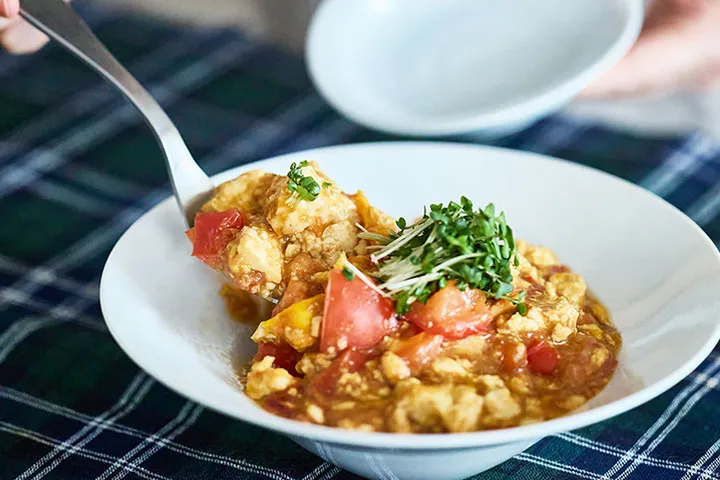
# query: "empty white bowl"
{"points": [[429, 67], [657, 272]]}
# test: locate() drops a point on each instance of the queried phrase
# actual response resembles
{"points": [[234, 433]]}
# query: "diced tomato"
{"points": [[285, 356], [542, 358], [419, 350], [355, 315], [407, 329], [325, 382], [452, 313], [211, 234]]}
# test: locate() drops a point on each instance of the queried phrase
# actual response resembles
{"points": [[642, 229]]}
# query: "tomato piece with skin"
{"points": [[285, 356], [452, 313], [541, 357], [354, 315], [324, 383], [211, 234], [419, 350], [407, 330]]}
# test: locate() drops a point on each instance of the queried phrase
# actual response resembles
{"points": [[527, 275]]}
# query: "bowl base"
{"points": [[391, 464]]}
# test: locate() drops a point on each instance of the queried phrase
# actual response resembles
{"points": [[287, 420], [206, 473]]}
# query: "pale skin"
{"points": [[678, 49]]}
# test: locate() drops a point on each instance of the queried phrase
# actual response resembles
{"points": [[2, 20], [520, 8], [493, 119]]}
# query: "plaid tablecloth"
{"points": [[77, 167]]}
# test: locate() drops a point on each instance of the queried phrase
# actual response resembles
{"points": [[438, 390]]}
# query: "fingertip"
{"points": [[9, 8], [22, 38]]}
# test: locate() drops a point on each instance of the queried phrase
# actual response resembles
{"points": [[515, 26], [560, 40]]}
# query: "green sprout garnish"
{"points": [[300, 185], [348, 274], [473, 248]]}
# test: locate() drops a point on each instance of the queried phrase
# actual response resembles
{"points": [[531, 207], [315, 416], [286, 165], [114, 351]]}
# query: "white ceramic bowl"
{"points": [[429, 67], [658, 273]]}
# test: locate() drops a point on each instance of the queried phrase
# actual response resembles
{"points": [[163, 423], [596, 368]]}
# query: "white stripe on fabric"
{"points": [[111, 186], [196, 410], [109, 122], [154, 62], [697, 467], [260, 137], [713, 382], [61, 312], [666, 431], [238, 464], [211, 65], [619, 452], [47, 277], [186, 416], [554, 135], [71, 198], [712, 467], [135, 392], [668, 415], [578, 472], [19, 331], [317, 471], [83, 452], [331, 473], [682, 163], [337, 129], [101, 237], [707, 207]]}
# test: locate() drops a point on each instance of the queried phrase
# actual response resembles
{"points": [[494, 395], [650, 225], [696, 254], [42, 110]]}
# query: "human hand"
{"points": [[678, 48], [17, 35]]}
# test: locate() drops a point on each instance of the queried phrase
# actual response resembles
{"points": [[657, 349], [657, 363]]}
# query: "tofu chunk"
{"points": [[537, 255], [394, 368], [500, 406], [435, 408], [291, 215], [554, 316], [569, 285], [264, 379], [247, 193], [255, 261]]}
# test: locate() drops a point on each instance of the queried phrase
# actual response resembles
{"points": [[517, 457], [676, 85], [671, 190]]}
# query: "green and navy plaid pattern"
{"points": [[77, 167]]}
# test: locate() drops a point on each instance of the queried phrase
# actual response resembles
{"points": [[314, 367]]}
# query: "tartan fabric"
{"points": [[77, 167]]}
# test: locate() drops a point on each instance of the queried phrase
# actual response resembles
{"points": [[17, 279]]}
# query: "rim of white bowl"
{"points": [[441, 441], [523, 111]]}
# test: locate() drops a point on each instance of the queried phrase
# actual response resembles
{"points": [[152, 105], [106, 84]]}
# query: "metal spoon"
{"points": [[191, 186]]}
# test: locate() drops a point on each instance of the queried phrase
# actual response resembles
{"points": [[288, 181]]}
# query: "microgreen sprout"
{"points": [[302, 186], [453, 242]]}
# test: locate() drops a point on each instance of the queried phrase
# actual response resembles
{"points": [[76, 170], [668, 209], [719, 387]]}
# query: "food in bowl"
{"points": [[444, 324]]}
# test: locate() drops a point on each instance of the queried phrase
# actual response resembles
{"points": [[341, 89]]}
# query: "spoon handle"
{"points": [[190, 184]]}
